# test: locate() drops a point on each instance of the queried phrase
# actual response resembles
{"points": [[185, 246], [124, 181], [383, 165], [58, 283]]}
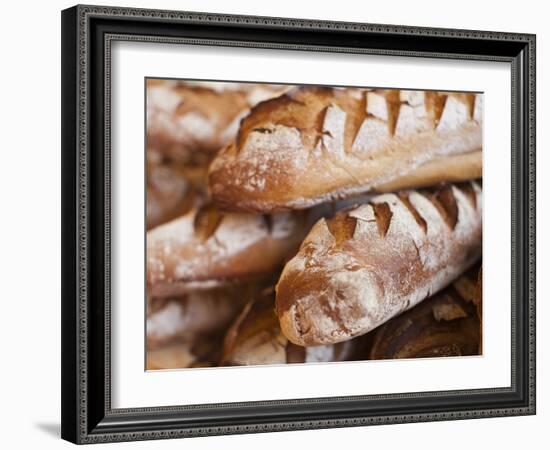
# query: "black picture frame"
{"points": [[87, 33]]}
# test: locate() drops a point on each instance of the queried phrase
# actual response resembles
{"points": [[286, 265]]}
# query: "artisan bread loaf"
{"points": [[255, 338], [314, 144], [373, 261], [446, 324], [206, 248], [194, 315], [189, 121]]}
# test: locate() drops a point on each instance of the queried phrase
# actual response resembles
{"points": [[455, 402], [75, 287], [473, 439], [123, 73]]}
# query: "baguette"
{"points": [[255, 338], [369, 263], [207, 248], [446, 324], [314, 144], [188, 122]]}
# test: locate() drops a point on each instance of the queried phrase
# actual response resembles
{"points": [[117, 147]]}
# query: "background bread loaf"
{"points": [[193, 316], [446, 324], [171, 192], [255, 338], [189, 121]]}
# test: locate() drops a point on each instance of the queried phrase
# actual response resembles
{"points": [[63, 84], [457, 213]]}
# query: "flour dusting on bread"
{"points": [[355, 271]]}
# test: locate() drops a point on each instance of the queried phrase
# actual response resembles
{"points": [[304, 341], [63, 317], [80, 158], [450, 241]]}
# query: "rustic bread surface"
{"points": [[194, 315], [189, 121], [255, 338], [446, 324], [314, 144], [371, 262], [206, 248]]}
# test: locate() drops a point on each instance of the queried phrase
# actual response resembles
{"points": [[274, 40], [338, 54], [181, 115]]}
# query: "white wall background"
{"points": [[30, 222]]}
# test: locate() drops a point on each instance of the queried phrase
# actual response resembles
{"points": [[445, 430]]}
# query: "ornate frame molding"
{"points": [[80, 423]]}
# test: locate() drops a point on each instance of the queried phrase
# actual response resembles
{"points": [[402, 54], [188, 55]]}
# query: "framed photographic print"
{"points": [[283, 224]]}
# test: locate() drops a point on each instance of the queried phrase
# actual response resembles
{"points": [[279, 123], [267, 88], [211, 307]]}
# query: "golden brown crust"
{"points": [[188, 121], [369, 263], [314, 144], [255, 338], [447, 169], [207, 247], [443, 325]]}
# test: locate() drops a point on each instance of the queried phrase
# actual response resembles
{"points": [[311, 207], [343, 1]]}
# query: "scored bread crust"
{"points": [[369, 263], [206, 248], [189, 121], [314, 144], [255, 338]]}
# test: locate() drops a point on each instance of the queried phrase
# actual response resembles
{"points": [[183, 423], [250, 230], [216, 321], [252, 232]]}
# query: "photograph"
{"points": [[292, 223], [302, 224]]}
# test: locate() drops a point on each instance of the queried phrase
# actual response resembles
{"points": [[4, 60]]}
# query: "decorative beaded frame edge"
{"points": [[76, 410]]}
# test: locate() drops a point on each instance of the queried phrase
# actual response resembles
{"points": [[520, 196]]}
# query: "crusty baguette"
{"points": [[194, 315], [207, 248], [189, 122], [314, 144], [370, 263], [446, 324], [255, 338]]}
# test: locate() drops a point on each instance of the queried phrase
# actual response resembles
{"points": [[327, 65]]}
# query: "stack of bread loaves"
{"points": [[311, 224]]}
